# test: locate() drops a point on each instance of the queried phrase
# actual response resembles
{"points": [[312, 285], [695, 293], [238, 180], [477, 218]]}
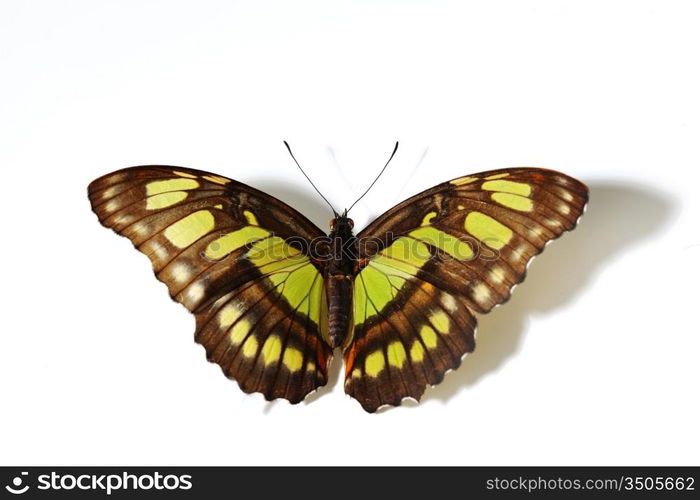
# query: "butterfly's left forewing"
{"points": [[431, 262], [237, 259]]}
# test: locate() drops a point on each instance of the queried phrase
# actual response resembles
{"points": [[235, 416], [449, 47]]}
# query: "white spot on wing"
{"points": [[449, 302], [536, 231], [111, 206], [481, 293], [195, 292], [141, 229], [160, 251], [181, 272], [109, 192], [523, 250], [124, 219], [498, 275]]}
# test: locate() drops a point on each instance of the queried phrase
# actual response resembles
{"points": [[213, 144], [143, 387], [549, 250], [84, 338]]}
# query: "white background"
{"points": [[593, 361]]}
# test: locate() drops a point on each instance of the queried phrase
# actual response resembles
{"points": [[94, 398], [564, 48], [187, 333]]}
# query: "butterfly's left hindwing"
{"points": [[399, 349], [236, 258], [427, 265]]}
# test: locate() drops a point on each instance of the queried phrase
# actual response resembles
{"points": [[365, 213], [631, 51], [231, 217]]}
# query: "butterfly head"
{"points": [[341, 224]]}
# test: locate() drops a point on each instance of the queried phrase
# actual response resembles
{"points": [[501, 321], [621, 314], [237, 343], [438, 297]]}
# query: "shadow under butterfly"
{"points": [[619, 216]]}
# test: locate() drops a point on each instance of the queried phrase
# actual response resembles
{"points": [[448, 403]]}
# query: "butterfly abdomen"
{"points": [[339, 279], [339, 289]]}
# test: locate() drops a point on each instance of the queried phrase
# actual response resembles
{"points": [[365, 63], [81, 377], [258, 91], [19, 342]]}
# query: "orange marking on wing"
{"points": [[351, 361]]}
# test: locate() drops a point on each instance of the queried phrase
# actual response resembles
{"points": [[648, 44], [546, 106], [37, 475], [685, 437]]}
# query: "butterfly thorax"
{"points": [[339, 275]]}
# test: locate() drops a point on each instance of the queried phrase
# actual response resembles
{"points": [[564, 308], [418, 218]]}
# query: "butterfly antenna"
{"points": [[377, 178], [307, 178]]}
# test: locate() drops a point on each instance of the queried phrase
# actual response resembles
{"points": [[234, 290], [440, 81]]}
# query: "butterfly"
{"points": [[273, 295]]}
